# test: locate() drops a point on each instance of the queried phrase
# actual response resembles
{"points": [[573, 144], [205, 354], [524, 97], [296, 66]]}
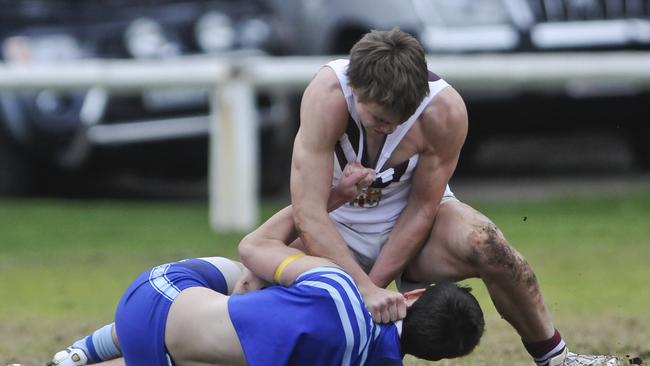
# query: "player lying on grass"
{"points": [[318, 319], [179, 312]]}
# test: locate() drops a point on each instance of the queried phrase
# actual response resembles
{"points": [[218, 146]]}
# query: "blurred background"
{"points": [[96, 184], [155, 142]]}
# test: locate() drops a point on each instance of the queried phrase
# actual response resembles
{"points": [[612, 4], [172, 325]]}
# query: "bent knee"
{"points": [[492, 254]]}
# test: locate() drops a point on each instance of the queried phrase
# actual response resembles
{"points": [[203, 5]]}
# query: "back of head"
{"points": [[445, 322], [389, 68]]}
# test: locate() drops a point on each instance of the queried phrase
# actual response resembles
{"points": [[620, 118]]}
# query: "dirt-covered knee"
{"points": [[493, 255]]}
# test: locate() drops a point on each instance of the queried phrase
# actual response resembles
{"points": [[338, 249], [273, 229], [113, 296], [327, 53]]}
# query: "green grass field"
{"points": [[64, 264]]}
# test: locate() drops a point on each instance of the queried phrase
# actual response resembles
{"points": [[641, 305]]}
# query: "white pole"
{"points": [[234, 166], [116, 75]]}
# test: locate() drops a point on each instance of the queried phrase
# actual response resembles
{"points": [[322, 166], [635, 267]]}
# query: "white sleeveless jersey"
{"points": [[376, 210]]}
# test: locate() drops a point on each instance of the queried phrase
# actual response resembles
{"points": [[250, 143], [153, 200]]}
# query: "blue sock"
{"points": [[99, 345]]}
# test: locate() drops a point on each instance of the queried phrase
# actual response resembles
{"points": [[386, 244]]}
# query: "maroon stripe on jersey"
{"points": [[353, 134], [365, 160], [432, 76], [399, 171], [340, 155]]}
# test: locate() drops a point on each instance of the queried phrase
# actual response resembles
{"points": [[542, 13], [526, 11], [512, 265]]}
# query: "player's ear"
{"points": [[413, 295]]}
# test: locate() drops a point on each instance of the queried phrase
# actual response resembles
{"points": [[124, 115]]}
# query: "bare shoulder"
{"points": [[327, 82], [323, 100], [444, 121]]}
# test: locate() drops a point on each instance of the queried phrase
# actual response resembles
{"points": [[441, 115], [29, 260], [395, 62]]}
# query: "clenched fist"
{"points": [[354, 178]]}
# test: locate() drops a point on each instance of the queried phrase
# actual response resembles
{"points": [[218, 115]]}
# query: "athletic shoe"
{"points": [[567, 358], [69, 357]]}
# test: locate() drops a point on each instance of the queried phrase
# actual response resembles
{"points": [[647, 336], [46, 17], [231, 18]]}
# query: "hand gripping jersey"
{"points": [[377, 209], [320, 320]]}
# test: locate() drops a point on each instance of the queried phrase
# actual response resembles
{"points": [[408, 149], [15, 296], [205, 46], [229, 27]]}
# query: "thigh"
{"points": [[139, 323], [448, 251]]}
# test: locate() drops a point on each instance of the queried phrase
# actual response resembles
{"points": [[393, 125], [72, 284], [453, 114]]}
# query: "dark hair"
{"points": [[445, 322], [389, 68]]}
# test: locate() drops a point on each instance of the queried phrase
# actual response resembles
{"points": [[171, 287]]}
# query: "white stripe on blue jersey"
{"points": [[356, 307], [377, 332], [342, 288], [160, 282], [343, 316]]}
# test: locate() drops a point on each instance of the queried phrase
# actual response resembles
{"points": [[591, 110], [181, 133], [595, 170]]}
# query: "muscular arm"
{"points": [[444, 127], [323, 118], [263, 249]]}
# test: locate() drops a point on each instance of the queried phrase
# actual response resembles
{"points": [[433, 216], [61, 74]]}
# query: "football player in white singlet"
{"points": [[384, 109]]}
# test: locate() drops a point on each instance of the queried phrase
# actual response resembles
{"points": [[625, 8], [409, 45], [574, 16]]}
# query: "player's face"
{"points": [[375, 118]]}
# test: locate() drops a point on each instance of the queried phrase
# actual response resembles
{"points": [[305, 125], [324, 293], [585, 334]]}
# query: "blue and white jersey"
{"points": [[319, 320]]}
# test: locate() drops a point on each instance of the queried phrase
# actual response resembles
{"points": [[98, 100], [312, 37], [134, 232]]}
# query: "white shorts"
{"points": [[366, 246]]}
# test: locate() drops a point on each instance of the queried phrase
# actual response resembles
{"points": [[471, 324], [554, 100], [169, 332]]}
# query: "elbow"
{"points": [[246, 248], [299, 221], [306, 221]]}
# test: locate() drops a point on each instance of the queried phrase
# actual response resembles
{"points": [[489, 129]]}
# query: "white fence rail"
{"points": [[234, 162]]}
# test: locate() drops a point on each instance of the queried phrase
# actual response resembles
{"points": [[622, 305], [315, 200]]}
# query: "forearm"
{"points": [[271, 239], [277, 263], [320, 238], [281, 225], [384, 305], [405, 241], [268, 243], [336, 200], [312, 198]]}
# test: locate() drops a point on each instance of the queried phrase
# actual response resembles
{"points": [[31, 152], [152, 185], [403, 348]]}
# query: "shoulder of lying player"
{"points": [[330, 278], [321, 272]]}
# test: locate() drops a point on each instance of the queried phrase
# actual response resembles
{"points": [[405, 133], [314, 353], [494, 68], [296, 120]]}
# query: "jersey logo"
{"points": [[367, 198]]}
